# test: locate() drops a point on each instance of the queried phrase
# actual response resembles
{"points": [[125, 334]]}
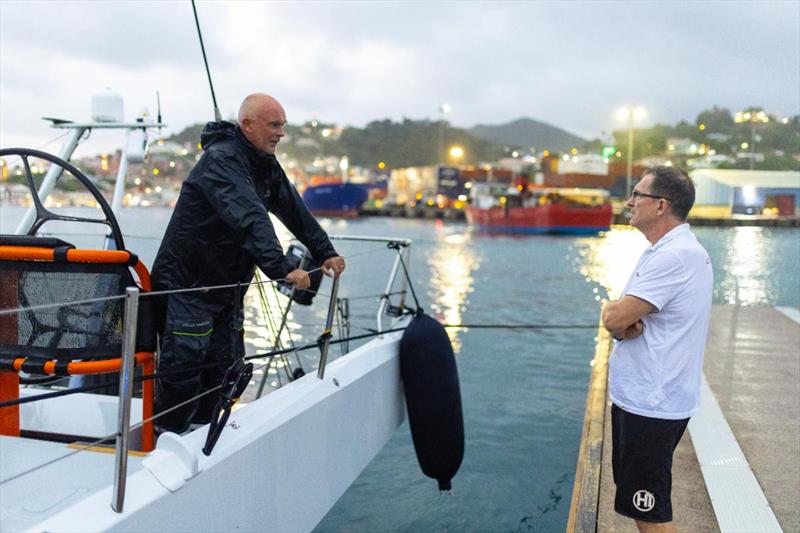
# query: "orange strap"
{"points": [[9, 416], [144, 276], [33, 253], [88, 367], [9, 390]]}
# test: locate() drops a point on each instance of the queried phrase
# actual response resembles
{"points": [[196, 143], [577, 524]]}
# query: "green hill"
{"points": [[525, 132]]}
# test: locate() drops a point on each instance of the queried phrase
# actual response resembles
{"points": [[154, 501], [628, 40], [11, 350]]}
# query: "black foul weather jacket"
{"points": [[220, 228]]}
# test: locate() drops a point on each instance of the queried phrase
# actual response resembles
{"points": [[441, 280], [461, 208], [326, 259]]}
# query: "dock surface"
{"points": [[752, 368]]}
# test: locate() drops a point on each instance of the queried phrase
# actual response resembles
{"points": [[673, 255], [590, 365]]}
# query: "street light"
{"points": [[753, 118], [444, 109], [630, 114], [456, 152]]}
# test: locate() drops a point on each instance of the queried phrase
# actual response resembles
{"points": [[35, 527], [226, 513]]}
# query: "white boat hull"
{"points": [[281, 463]]}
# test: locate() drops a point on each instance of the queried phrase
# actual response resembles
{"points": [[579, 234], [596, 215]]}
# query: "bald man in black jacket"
{"points": [[220, 231]]}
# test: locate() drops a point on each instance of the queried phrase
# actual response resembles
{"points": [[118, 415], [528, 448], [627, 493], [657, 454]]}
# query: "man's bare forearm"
{"points": [[619, 315]]}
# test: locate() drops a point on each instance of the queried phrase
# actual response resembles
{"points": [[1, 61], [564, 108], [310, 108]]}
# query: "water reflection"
{"points": [[262, 319], [262, 323], [609, 260], [452, 264], [744, 269], [752, 265]]}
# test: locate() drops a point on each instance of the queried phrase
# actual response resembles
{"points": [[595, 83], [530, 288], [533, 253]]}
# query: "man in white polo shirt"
{"points": [[660, 324]]}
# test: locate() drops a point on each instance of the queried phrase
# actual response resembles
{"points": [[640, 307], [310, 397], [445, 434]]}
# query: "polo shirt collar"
{"points": [[670, 235]]}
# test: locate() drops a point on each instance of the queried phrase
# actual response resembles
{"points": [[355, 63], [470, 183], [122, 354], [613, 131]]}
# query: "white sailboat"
{"points": [[280, 464]]}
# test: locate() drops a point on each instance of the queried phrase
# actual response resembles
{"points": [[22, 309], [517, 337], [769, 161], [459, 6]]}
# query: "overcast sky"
{"points": [[571, 64]]}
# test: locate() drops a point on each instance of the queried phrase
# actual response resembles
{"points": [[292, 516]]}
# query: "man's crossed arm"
{"points": [[623, 317]]}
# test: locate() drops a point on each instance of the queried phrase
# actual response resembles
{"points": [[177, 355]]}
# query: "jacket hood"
{"points": [[215, 132]]}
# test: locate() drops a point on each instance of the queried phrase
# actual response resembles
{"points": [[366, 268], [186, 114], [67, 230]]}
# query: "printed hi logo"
{"points": [[644, 500]]}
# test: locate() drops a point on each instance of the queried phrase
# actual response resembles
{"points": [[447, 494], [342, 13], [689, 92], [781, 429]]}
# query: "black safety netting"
{"points": [[88, 330]]}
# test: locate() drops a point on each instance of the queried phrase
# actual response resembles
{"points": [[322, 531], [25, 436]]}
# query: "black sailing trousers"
{"points": [[196, 332]]}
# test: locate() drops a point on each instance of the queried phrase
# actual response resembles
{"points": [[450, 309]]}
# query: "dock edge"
{"points": [[583, 507]]}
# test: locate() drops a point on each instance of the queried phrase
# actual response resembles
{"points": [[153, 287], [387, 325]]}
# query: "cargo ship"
{"points": [[334, 198], [538, 210]]}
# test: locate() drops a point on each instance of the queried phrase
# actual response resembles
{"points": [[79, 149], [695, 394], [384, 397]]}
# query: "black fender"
{"points": [[433, 398]]}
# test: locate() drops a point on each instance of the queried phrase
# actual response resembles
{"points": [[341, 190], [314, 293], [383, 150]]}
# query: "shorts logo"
{"points": [[644, 500]]}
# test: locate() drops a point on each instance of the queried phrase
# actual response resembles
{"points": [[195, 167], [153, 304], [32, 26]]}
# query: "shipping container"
{"points": [[583, 165], [579, 180]]}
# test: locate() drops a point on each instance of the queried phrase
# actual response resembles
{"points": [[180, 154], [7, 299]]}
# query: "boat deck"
{"points": [[38, 479], [738, 466]]}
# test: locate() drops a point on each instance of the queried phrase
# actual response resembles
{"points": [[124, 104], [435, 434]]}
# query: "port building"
{"points": [[722, 193]]}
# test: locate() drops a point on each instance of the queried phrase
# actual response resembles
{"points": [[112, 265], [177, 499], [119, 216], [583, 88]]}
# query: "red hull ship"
{"points": [[537, 211]]}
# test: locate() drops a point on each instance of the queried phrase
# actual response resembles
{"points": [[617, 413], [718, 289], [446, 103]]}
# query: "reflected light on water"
{"points": [[745, 281], [610, 259], [452, 265], [260, 326], [741, 266]]}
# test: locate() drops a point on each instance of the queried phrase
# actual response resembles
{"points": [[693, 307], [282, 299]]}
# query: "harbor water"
{"points": [[523, 390]]}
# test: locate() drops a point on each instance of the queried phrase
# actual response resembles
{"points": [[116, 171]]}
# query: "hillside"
{"points": [[526, 132], [396, 144]]}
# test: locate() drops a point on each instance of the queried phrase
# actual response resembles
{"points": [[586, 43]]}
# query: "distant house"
{"points": [[654, 160], [746, 192], [710, 161], [682, 146], [722, 137], [15, 194]]}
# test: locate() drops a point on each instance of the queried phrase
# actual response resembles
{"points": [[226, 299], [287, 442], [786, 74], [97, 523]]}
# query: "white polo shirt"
{"points": [[658, 373]]}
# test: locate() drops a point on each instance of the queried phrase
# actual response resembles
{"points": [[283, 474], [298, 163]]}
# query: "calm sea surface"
{"points": [[523, 391]]}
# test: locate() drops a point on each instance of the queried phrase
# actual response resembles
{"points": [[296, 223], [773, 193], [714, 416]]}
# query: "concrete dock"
{"points": [[738, 466]]}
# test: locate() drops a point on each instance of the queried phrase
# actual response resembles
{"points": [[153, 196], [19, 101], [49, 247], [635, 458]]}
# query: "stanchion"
{"points": [[125, 393], [326, 336]]}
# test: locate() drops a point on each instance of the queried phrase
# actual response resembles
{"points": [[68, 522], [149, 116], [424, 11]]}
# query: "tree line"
{"points": [[426, 142]]}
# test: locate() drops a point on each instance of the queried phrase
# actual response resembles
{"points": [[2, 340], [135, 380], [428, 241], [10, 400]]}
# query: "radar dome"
{"points": [[107, 106]]}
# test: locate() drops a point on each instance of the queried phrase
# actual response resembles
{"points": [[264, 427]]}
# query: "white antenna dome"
{"points": [[107, 106]]}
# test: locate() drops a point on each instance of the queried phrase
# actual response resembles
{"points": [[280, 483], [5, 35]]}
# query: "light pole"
{"points": [[444, 109], [753, 117], [630, 114]]}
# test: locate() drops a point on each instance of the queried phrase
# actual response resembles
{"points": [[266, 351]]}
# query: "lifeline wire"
{"points": [[149, 294], [76, 234], [159, 375], [103, 439], [271, 356], [133, 427], [113, 435], [275, 353], [522, 326], [142, 378]]}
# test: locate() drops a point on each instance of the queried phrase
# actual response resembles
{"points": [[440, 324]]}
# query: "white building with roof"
{"points": [[749, 192]]}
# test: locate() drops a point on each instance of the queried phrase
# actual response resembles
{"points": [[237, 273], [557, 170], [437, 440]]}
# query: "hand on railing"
{"points": [[299, 278], [333, 266]]}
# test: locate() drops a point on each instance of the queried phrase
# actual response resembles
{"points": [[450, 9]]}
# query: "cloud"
{"points": [[567, 63]]}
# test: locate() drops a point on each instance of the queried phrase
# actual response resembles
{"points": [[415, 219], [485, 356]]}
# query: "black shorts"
{"points": [[642, 449]]}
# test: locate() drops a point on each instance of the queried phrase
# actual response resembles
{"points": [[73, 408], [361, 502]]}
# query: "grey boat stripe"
{"points": [[738, 501]]}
